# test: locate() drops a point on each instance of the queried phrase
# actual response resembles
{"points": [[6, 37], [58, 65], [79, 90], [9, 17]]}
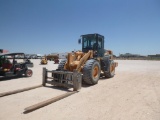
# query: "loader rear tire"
{"points": [[111, 71], [61, 64], [91, 72]]}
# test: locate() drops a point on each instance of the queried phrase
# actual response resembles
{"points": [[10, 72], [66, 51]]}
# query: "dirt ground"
{"points": [[133, 94]]}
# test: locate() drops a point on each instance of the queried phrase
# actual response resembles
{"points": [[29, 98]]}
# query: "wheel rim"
{"points": [[95, 71], [29, 73]]}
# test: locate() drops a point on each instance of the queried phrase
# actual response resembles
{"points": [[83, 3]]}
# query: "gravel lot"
{"points": [[133, 94]]}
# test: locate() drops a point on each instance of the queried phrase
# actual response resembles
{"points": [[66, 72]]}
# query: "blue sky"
{"points": [[47, 26]]}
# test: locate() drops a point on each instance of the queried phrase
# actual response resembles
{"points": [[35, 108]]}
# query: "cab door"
{"points": [[100, 46]]}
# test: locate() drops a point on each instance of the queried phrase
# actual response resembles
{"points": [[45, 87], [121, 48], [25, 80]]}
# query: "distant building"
{"points": [[154, 57], [131, 56], [54, 53], [127, 55], [61, 55]]}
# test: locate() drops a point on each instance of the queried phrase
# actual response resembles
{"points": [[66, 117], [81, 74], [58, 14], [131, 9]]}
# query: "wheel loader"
{"points": [[44, 60], [85, 66]]}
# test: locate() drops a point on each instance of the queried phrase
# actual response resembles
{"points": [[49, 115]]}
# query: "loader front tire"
{"points": [[91, 72]]}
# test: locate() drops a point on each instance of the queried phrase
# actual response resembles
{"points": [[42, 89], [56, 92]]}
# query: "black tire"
{"points": [[111, 70], [60, 67], [28, 73], [61, 64], [91, 72]]}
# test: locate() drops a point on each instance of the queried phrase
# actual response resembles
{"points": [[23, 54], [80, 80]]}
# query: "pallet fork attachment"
{"points": [[63, 78]]}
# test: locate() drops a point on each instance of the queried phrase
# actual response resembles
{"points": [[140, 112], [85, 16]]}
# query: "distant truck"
{"points": [[52, 57]]}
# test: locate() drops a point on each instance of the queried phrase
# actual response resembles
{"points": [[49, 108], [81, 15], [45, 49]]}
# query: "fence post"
{"points": [[44, 76], [77, 80]]}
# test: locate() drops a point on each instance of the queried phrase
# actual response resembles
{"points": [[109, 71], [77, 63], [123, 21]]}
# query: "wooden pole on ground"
{"points": [[19, 90], [47, 102], [44, 76]]}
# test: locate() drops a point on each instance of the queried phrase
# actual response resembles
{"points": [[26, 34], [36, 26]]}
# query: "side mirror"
{"points": [[79, 41]]}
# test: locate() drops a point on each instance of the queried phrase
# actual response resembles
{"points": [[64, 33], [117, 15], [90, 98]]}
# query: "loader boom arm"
{"points": [[77, 60], [84, 59]]}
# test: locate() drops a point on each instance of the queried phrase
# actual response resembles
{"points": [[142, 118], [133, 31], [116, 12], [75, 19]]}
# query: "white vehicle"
{"points": [[39, 56]]}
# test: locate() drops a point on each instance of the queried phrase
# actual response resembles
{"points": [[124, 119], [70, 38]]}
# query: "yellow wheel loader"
{"points": [[85, 66], [44, 60]]}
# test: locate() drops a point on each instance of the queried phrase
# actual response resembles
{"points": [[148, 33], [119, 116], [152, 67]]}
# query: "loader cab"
{"points": [[93, 42]]}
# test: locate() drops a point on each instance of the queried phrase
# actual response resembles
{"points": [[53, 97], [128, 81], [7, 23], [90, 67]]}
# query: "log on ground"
{"points": [[47, 102], [19, 90]]}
